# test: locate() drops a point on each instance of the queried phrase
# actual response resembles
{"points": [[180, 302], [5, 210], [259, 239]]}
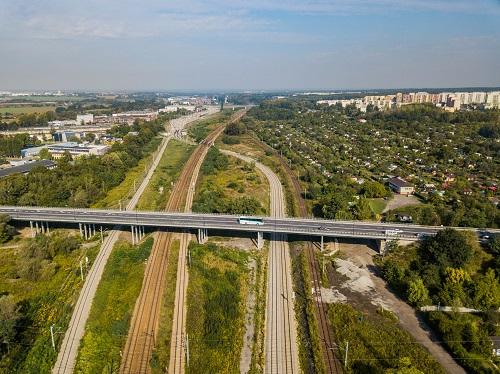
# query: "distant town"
{"points": [[450, 101]]}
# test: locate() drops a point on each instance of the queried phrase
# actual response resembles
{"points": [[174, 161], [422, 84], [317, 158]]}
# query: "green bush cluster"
{"points": [[214, 201], [6, 231], [377, 344], [450, 269], [216, 308], [214, 161]]}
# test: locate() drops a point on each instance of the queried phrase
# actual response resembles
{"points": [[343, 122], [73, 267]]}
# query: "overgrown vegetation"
{"points": [[161, 354], [377, 344], [6, 231], [200, 129], [109, 319], [229, 186], [451, 269], [258, 348], [156, 194], [216, 308], [39, 282], [311, 359]]}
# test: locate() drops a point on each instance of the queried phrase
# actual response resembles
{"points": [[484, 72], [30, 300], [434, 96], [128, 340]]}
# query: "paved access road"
{"points": [[68, 352], [281, 351]]}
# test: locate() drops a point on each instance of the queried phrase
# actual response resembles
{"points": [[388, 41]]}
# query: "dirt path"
{"points": [[364, 280], [400, 201]]}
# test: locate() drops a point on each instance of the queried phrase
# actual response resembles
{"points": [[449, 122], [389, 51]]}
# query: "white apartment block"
{"points": [[448, 100]]}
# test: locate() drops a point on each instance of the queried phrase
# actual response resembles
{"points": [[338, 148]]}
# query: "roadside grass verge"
{"points": [[258, 348], [109, 319], [157, 192], [217, 289], [45, 291], [161, 353], [310, 356], [125, 190], [377, 343]]}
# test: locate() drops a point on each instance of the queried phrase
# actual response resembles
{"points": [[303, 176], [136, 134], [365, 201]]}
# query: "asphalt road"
{"points": [[68, 351], [302, 226]]}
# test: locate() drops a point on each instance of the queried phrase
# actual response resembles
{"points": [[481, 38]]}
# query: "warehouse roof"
{"points": [[26, 168]]}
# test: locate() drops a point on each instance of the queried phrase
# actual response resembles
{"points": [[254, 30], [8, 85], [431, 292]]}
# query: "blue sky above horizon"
{"points": [[241, 44]]}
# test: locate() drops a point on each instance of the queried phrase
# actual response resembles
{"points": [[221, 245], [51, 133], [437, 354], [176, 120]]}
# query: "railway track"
{"points": [[327, 339], [145, 320], [281, 355]]}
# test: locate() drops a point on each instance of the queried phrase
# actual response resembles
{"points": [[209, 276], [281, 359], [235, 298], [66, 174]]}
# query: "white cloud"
{"points": [[133, 18]]}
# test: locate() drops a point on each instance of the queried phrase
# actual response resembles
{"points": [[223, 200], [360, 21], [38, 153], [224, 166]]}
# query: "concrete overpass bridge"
{"points": [[139, 221]]}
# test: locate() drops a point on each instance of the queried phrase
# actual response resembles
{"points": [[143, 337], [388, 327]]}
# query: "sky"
{"points": [[248, 44]]}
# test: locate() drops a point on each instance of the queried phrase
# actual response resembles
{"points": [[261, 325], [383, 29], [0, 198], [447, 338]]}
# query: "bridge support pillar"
{"points": [[321, 247], [31, 228], [85, 232], [202, 236], [47, 227], [36, 227], [81, 229], [132, 231], [260, 239], [381, 245]]}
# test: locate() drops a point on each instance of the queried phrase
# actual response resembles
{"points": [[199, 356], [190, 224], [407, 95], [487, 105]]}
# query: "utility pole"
{"points": [[102, 238], [52, 336], [346, 352], [81, 269], [187, 350]]}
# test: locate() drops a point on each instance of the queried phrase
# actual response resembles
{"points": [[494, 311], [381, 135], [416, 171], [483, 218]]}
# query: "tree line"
{"points": [[83, 181]]}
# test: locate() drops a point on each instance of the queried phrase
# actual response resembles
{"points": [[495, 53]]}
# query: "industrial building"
{"points": [[401, 186], [74, 149], [26, 167]]}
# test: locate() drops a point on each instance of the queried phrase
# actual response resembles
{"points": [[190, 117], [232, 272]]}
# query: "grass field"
{"points": [[252, 147], [170, 166], [240, 179], [376, 343], [109, 319], [26, 109], [44, 300], [125, 190], [216, 308], [161, 353], [377, 205]]}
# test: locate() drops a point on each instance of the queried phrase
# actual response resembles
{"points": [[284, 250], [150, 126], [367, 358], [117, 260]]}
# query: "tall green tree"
{"points": [[9, 317], [6, 231]]}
